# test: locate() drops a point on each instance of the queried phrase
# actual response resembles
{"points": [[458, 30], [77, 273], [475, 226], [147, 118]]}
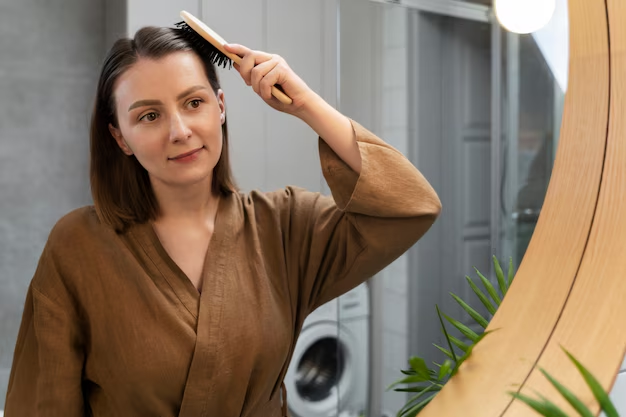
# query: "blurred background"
{"points": [[475, 107]]}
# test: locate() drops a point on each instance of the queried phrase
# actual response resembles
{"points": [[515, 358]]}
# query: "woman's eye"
{"points": [[195, 103], [149, 117]]}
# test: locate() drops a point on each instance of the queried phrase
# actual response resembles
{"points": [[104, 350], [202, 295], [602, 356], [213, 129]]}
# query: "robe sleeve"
{"points": [[334, 244], [47, 366]]}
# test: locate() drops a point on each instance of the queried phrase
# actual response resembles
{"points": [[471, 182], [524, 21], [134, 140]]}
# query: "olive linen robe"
{"points": [[112, 327]]}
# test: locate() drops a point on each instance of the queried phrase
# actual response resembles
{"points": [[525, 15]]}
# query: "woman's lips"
{"points": [[187, 156]]}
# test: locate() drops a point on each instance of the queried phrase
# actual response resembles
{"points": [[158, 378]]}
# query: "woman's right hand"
{"points": [[262, 70]]}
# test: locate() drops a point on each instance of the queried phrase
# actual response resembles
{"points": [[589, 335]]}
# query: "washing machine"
{"points": [[329, 371]]}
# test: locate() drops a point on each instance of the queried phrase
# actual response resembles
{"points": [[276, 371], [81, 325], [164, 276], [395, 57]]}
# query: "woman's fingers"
{"points": [[242, 51], [236, 49], [245, 68], [262, 71], [270, 79], [259, 77], [249, 59]]}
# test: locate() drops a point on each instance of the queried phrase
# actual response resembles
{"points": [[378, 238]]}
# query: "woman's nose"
{"points": [[179, 130]]}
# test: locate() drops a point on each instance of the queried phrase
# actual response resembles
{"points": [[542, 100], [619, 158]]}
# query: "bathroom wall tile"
{"points": [[395, 26], [395, 359], [395, 313], [395, 276], [395, 67], [395, 107]]}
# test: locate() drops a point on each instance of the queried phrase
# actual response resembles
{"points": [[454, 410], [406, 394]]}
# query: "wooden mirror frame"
{"points": [[570, 289]]}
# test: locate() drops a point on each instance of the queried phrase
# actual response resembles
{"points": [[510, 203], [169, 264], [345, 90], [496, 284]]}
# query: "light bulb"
{"points": [[524, 16]]}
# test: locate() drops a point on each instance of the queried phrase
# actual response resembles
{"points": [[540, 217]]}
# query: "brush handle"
{"points": [[217, 41]]}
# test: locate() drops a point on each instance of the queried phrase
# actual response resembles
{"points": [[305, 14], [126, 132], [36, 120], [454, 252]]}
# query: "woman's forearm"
{"points": [[334, 128]]}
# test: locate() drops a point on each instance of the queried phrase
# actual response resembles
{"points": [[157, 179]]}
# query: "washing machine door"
{"points": [[321, 375]]}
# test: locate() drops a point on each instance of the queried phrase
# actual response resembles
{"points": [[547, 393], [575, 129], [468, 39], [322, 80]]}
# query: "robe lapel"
{"points": [[166, 275], [205, 366]]}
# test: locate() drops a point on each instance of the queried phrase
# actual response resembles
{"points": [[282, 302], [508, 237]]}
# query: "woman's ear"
{"points": [[117, 135], [222, 104]]}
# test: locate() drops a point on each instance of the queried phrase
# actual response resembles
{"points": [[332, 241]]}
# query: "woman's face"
{"points": [[170, 118]]}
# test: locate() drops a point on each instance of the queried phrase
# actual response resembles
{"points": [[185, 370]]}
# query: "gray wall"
{"points": [[50, 53]]}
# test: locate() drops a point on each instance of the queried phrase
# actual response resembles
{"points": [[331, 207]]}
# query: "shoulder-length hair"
{"points": [[120, 186]]}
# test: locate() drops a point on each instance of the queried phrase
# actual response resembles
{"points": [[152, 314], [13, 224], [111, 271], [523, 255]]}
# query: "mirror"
{"points": [[477, 109]]}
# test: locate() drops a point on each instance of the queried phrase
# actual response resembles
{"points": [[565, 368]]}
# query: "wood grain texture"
{"points": [[592, 323], [525, 322]]}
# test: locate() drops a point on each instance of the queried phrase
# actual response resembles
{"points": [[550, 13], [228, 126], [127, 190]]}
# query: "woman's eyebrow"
{"points": [[142, 103], [191, 90], [188, 91]]}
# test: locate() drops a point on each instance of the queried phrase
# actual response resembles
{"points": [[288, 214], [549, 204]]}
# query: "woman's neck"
{"points": [[192, 204]]}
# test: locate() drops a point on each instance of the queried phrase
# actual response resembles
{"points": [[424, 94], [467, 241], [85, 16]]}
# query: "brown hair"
{"points": [[120, 186]]}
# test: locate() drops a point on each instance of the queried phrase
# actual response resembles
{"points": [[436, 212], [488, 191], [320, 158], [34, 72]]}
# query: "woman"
{"points": [[176, 295]]}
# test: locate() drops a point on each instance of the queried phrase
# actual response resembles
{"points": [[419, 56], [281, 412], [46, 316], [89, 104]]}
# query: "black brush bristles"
{"points": [[203, 47]]}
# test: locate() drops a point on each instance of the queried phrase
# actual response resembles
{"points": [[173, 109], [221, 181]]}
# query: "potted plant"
{"points": [[425, 382]]}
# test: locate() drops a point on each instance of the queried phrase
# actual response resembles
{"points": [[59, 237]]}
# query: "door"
{"points": [[453, 147]]}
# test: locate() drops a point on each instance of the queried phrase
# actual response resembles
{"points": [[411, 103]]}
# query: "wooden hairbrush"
{"points": [[211, 44]]}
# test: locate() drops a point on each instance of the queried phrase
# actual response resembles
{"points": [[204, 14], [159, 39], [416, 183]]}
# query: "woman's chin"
{"points": [[187, 179]]}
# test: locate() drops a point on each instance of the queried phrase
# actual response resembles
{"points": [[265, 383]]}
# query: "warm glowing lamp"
{"points": [[524, 16]]}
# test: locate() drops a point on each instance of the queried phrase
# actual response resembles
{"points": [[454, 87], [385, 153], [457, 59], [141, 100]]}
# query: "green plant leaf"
{"points": [[416, 408], [417, 389], [466, 331], [468, 353], [482, 322], [601, 395], [445, 332], [489, 287], [568, 395], [462, 359], [425, 390], [549, 403], [412, 402], [445, 351], [500, 276], [511, 272], [419, 366], [546, 409], [481, 296], [458, 343], [413, 379], [445, 369]]}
